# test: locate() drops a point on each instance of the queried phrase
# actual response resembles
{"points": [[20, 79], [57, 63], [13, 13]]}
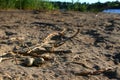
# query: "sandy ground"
{"points": [[95, 48]]}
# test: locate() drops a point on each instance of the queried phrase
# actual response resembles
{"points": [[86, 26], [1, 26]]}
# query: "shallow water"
{"points": [[112, 11]]}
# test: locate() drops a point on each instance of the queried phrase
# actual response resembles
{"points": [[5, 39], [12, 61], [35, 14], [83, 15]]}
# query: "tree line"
{"points": [[86, 7]]}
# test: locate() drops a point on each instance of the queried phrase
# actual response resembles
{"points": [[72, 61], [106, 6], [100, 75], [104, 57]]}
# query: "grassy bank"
{"points": [[26, 4]]}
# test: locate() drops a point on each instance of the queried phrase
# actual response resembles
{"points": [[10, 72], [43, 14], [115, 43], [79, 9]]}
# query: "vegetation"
{"points": [[26, 4], [47, 5], [86, 7]]}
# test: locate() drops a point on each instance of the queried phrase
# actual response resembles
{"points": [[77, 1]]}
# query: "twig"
{"points": [[69, 38], [97, 72], [80, 63], [39, 52], [4, 59]]}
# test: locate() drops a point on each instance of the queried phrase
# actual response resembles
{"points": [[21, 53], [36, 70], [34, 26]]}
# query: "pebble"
{"points": [[29, 61], [38, 61]]}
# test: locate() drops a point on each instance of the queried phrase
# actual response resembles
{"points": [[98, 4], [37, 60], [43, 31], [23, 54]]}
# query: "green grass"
{"points": [[26, 4], [5, 4]]}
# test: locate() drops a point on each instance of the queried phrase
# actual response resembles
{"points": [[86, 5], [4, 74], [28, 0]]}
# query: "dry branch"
{"points": [[39, 52], [53, 40]]}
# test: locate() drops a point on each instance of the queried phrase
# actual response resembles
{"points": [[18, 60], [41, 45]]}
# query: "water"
{"points": [[112, 11]]}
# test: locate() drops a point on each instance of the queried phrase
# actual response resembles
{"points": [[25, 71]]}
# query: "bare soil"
{"points": [[95, 48]]}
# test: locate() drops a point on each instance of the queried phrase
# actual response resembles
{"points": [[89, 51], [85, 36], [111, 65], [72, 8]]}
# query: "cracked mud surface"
{"points": [[97, 46]]}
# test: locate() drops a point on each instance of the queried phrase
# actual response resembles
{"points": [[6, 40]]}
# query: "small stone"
{"points": [[29, 61], [38, 61]]}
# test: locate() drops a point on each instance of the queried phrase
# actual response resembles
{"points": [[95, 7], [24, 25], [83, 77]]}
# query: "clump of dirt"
{"points": [[95, 51]]}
